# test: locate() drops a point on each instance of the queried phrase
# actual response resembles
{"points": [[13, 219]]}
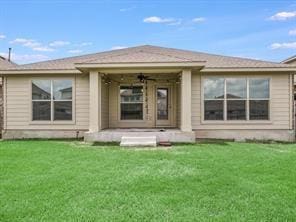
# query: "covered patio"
{"points": [[140, 99]]}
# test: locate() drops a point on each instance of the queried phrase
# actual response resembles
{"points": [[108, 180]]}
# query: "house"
{"points": [[175, 95]]}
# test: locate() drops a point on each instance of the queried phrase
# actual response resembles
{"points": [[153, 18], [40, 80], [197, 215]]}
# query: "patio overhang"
{"points": [[143, 66]]}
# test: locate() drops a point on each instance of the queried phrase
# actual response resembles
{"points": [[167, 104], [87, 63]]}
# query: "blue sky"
{"points": [[41, 30]]}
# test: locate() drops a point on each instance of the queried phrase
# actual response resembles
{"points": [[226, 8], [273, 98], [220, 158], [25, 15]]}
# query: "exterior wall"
{"points": [[17, 110], [17, 102], [281, 109]]}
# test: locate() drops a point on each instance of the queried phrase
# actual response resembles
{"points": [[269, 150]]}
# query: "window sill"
{"points": [[133, 121], [235, 122], [70, 122]]}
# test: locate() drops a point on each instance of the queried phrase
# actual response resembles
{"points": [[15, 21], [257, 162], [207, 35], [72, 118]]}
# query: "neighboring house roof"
{"points": [[5, 64], [290, 60], [150, 54]]}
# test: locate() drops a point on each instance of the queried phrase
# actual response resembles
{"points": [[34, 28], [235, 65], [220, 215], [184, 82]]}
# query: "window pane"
{"points": [[214, 88], [62, 89], [259, 88], [214, 110], [41, 89], [62, 110], [236, 88], [130, 111], [236, 110], [131, 94], [259, 110], [41, 110], [162, 104]]}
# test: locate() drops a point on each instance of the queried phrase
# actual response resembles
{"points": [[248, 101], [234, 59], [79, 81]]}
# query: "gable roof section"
{"points": [[152, 54], [290, 60]]}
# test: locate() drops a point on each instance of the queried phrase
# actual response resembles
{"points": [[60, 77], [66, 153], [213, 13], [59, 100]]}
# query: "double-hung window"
{"points": [[131, 102], [52, 100], [259, 99], [236, 98]]}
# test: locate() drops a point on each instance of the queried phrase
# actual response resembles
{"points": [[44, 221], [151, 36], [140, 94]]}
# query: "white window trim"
{"points": [[236, 122], [52, 121], [143, 103]]}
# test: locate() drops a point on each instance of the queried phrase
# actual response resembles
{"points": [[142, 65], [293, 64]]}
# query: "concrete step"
{"points": [[138, 141]]}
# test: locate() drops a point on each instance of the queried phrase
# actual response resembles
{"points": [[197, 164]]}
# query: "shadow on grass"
{"points": [[105, 144], [214, 141]]}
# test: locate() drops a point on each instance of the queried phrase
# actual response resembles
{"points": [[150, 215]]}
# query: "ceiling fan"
{"points": [[142, 78]]}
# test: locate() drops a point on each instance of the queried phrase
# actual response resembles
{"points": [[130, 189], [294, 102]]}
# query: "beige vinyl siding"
{"points": [[18, 103], [105, 106], [280, 105], [1, 105]]}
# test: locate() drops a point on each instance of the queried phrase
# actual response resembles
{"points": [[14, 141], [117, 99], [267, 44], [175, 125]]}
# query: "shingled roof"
{"points": [[150, 54], [5, 64], [290, 60]]}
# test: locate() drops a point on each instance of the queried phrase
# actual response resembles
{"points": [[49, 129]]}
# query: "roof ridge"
{"points": [[172, 56], [137, 51], [107, 56], [225, 56], [289, 59]]}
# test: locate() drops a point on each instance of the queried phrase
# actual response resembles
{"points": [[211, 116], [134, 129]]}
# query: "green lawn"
{"points": [[72, 181]]}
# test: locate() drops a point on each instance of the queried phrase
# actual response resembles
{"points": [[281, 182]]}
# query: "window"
{"points": [[51, 100], [214, 97], [236, 98], [259, 99], [236, 95], [131, 102]]}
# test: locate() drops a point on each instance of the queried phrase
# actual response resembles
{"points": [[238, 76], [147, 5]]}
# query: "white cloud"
{"points": [[292, 32], [32, 44], [127, 9], [43, 49], [118, 47], [85, 44], [26, 58], [75, 51], [198, 19], [284, 45], [282, 16], [59, 43], [2, 36], [176, 22], [155, 19]]}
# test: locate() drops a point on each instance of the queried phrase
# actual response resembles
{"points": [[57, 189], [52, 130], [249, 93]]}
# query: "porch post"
{"points": [[186, 124], [95, 84]]}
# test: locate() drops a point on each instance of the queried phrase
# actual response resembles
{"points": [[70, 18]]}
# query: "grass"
{"points": [[72, 181]]}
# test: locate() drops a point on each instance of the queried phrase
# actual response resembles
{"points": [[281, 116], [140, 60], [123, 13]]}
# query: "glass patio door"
{"points": [[163, 106]]}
